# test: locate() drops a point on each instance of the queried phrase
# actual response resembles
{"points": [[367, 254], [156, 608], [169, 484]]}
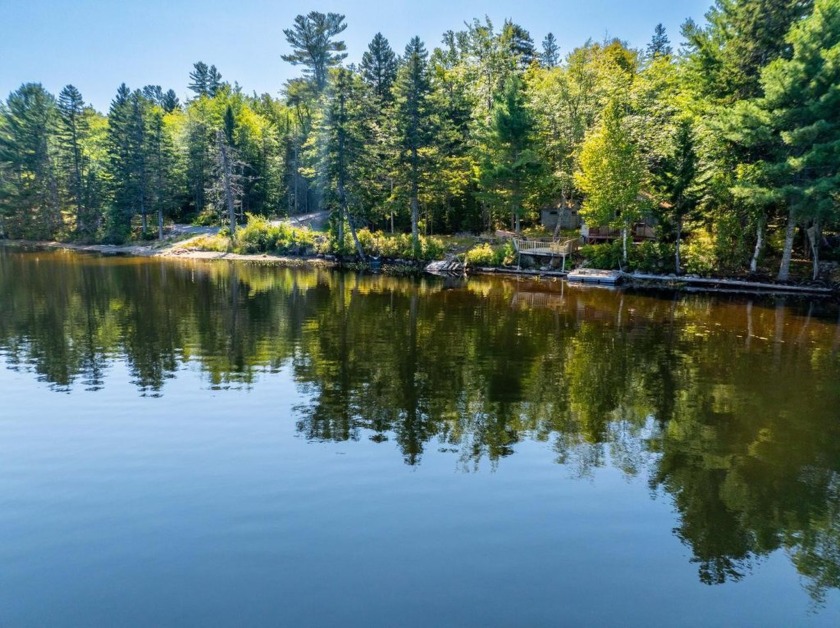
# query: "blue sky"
{"points": [[97, 44]]}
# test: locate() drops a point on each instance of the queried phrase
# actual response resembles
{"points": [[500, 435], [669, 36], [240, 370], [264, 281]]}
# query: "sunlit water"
{"points": [[211, 444]]}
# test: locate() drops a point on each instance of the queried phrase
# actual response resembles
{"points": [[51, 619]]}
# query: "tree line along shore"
{"points": [[727, 148]]}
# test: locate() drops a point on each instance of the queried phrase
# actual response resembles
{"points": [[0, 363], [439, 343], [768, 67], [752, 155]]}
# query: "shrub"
{"points": [[481, 255], [699, 254], [257, 236], [649, 257], [652, 257], [260, 236], [378, 244], [216, 243], [603, 256]]}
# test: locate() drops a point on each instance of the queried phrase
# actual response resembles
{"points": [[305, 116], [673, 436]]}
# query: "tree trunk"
{"points": [[415, 202], [787, 252], [228, 186], [814, 240], [677, 245], [759, 244], [358, 244], [624, 243]]}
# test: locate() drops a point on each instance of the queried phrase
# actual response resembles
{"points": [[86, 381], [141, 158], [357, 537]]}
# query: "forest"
{"points": [[729, 144]]}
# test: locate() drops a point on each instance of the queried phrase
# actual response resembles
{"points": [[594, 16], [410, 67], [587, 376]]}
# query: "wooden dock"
{"points": [[591, 275]]}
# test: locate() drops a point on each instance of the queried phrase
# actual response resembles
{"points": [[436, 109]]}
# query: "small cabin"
{"points": [[640, 232], [568, 217]]}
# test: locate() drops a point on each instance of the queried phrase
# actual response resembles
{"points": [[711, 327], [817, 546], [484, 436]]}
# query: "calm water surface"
{"points": [[211, 444]]}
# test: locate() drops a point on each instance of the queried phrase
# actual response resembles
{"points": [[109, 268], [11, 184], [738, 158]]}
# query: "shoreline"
{"points": [[180, 250]]}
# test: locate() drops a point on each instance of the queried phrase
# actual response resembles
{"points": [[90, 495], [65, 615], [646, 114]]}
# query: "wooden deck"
{"points": [[590, 275], [546, 248]]}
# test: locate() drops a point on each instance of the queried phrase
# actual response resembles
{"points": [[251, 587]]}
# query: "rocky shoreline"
{"points": [[181, 250]]}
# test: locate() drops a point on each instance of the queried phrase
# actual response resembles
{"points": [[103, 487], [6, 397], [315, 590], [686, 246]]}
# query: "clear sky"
{"points": [[98, 44]]}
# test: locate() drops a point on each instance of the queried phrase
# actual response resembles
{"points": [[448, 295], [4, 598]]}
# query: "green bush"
{"points": [[652, 257], [486, 255], [260, 236], [649, 257], [378, 244], [481, 255], [603, 256], [699, 254]]}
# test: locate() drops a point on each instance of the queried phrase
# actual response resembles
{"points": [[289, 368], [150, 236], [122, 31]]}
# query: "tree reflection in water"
{"points": [[727, 405]]}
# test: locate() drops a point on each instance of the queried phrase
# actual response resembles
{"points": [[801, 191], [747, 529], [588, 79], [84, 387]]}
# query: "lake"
{"points": [[205, 443]]}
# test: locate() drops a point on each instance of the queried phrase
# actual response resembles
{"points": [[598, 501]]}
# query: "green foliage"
{"points": [[400, 246], [738, 134], [700, 255], [602, 256], [29, 204], [611, 173], [260, 236], [486, 255], [647, 257], [314, 46], [509, 163]]}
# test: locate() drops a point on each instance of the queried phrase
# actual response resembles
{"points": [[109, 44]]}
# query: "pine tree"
{"points": [[71, 135], [660, 45], [550, 56], [162, 163], [30, 202], [170, 101], [509, 160], [200, 79], [742, 37], [795, 129], [517, 44], [127, 162], [413, 125], [214, 81], [379, 67], [678, 180], [343, 136], [313, 43]]}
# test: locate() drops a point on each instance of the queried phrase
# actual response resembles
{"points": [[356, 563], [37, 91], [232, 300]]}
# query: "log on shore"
{"points": [[733, 284]]}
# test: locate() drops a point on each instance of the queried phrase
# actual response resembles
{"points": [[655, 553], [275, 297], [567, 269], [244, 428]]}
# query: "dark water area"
{"points": [[193, 443]]}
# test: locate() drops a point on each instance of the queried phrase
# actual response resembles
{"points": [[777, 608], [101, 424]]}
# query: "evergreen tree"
{"points": [[413, 125], [162, 166], [795, 129], [72, 131], [127, 162], [343, 137], [510, 160], [678, 181], [660, 45], [314, 46], [518, 45], [214, 81], [742, 36], [204, 81], [379, 67], [550, 56], [199, 79], [30, 200], [170, 101]]}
